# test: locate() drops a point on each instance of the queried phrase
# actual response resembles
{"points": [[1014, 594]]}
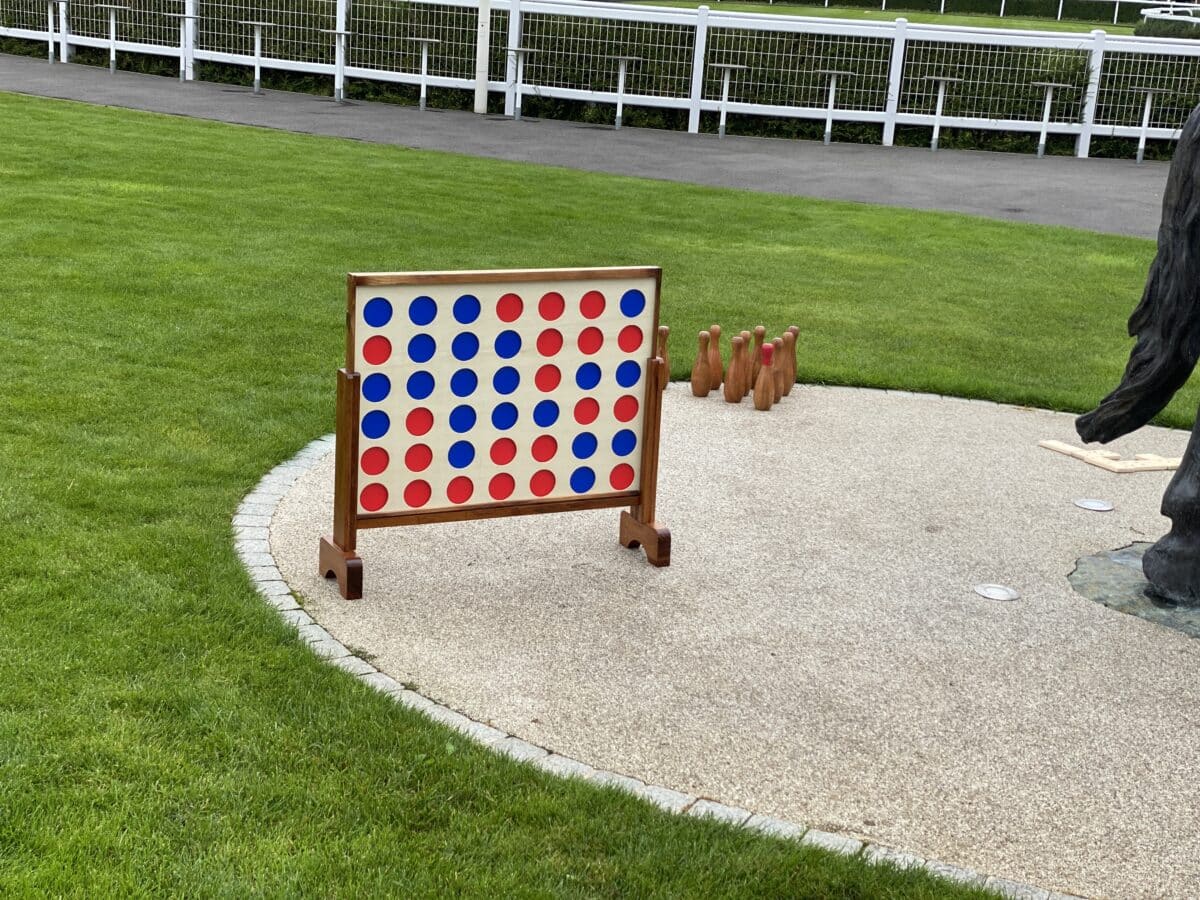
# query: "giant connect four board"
{"points": [[481, 394]]}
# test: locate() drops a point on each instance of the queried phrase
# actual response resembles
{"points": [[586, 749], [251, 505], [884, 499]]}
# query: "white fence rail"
{"points": [[702, 61]]}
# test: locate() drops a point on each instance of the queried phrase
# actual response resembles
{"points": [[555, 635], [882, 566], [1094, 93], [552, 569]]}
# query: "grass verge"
{"points": [[172, 318]]}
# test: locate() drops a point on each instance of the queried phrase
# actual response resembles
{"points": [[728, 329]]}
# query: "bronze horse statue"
{"points": [[1166, 324]]}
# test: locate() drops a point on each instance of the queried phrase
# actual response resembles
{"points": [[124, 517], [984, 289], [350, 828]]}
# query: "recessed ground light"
{"points": [[996, 592], [1095, 505]]}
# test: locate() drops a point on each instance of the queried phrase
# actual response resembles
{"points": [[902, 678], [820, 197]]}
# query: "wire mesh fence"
{"points": [[1172, 81], [138, 22], [297, 31], [24, 14], [583, 53], [388, 37], [794, 68], [988, 82], [776, 65]]}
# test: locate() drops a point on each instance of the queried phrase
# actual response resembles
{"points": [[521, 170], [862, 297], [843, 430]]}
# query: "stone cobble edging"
{"points": [[251, 528]]}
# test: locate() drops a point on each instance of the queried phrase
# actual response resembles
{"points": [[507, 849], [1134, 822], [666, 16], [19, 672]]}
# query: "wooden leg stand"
{"points": [[343, 565], [337, 557], [654, 537], [638, 525]]}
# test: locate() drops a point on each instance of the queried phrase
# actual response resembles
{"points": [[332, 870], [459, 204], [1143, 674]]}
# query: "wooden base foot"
{"points": [[655, 538], [345, 567]]}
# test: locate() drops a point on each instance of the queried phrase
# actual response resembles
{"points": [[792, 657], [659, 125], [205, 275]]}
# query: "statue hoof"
{"points": [[1172, 566]]}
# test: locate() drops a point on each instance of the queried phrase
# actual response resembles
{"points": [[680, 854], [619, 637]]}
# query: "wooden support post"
{"points": [[638, 526], [337, 555]]}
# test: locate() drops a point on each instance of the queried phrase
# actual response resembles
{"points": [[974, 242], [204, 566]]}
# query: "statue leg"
{"points": [[1172, 566]]}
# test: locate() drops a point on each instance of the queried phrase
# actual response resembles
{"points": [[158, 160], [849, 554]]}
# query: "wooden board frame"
{"points": [[638, 526]]}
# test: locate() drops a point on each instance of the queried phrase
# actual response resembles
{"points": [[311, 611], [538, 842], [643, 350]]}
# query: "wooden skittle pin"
{"points": [[747, 384], [760, 335], [780, 368], [700, 377], [663, 333], [764, 383], [716, 369], [789, 362], [733, 378]]}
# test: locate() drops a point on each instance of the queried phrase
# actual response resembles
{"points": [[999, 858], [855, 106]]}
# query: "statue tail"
{"points": [[1167, 321]]}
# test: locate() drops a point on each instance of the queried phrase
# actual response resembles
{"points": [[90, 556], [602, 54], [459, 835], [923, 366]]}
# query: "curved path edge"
{"points": [[251, 527]]}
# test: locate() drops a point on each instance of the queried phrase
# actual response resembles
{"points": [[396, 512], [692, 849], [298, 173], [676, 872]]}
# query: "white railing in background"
{"points": [[699, 60]]}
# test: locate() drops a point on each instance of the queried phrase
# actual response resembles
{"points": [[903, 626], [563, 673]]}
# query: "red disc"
{"points": [[592, 305], [544, 448], [377, 350], [375, 460], [590, 340], [373, 497], [547, 378], [501, 486], [630, 338], [549, 342], [626, 408], [417, 494], [586, 411], [419, 421], [460, 489], [621, 477], [551, 306], [509, 308], [504, 451], [542, 482], [418, 457]]}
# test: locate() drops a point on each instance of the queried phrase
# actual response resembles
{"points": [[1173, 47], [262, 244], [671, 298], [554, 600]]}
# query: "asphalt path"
{"points": [[1105, 195]]}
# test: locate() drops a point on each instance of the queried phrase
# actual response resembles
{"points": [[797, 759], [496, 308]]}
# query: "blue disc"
{"points": [[462, 454], [588, 376], [506, 380], [421, 348], [420, 385], [623, 442], [462, 418], [377, 312], [582, 480], [376, 387], [546, 413], [508, 344], [466, 309], [422, 311], [463, 383], [504, 416], [628, 373], [632, 303], [584, 445], [375, 424], [465, 346]]}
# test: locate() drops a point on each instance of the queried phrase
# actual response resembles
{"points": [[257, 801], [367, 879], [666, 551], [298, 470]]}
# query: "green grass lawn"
{"points": [[172, 317], [975, 20]]}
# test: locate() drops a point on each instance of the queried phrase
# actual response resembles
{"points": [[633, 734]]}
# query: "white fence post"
{"points": [[510, 66], [483, 52], [189, 40], [1083, 143], [339, 52], [1002, 9], [64, 33], [895, 77], [699, 54]]}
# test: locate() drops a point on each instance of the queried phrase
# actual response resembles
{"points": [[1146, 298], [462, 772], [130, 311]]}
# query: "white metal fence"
{"points": [[701, 61]]}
